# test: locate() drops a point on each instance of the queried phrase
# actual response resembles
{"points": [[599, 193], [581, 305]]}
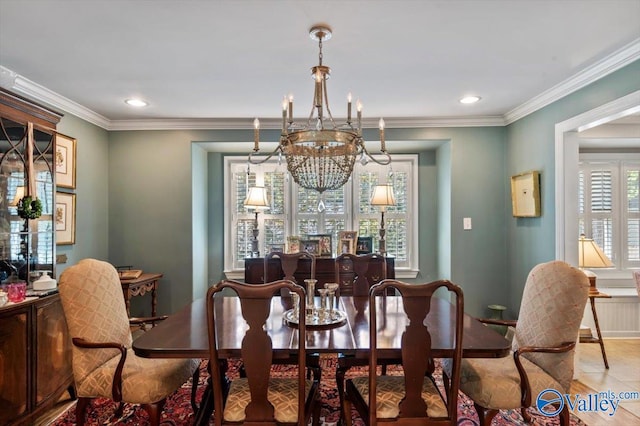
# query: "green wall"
{"points": [[531, 146], [153, 199]]}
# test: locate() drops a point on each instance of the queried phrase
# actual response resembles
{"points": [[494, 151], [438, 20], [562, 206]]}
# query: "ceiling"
{"points": [[231, 61]]}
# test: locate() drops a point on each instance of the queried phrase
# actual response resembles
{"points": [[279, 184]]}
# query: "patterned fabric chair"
{"points": [[546, 331], [258, 398], [104, 365], [412, 398]]}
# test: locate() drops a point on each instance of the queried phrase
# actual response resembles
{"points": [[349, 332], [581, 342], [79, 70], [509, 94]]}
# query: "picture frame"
{"points": [[365, 245], [325, 244], [348, 235], [65, 161], [346, 246], [293, 244], [310, 246], [276, 248], [65, 218], [525, 194]]}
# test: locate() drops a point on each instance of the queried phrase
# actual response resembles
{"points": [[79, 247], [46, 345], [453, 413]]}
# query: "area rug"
{"points": [[178, 412]]}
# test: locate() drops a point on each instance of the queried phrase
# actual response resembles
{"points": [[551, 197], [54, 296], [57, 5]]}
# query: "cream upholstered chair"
{"points": [[104, 365], [546, 331]]}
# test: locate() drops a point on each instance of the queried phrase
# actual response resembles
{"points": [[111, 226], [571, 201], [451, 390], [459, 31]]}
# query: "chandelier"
{"points": [[320, 153]]}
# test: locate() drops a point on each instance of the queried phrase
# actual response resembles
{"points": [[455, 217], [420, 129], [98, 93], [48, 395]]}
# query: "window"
{"points": [[296, 211], [609, 205]]}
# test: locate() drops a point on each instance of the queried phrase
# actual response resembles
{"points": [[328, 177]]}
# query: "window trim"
{"points": [[409, 271]]}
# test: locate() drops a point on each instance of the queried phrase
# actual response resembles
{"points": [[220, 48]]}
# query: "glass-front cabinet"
{"points": [[27, 189]]}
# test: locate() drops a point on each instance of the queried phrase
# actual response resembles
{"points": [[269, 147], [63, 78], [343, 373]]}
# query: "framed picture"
{"points": [[326, 247], [310, 246], [525, 194], [276, 247], [346, 245], [365, 245], [293, 244], [65, 161], [65, 218], [348, 235]]}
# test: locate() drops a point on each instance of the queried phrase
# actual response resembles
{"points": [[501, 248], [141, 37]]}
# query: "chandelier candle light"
{"points": [[320, 153], [256, 200], [383, 197]]}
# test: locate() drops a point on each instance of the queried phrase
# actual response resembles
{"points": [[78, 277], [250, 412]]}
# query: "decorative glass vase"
{"points": [[496, 312]]}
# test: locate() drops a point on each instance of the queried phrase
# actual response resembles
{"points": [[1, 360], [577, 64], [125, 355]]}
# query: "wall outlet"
{"points": [[466, 223]]}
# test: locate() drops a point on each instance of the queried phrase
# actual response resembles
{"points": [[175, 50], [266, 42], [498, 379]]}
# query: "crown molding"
{"points": [[622, 57], [613, 62]]}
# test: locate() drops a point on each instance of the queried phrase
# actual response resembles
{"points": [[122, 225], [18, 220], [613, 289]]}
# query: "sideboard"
{"points": [[325, 272], [35, 358]]}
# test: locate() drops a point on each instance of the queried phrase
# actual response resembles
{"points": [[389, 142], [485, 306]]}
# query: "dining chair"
{"points": [[553, 302], [103, 363], [413, 397], [259, 398], [354, 272], [289, 263]]}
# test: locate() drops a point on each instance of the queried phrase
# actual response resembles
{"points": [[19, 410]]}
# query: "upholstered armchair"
{"points": [[104, 365], [544, 342]]}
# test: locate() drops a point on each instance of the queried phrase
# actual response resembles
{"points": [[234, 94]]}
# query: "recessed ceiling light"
{"points": [[470, 99], [136, 102]]}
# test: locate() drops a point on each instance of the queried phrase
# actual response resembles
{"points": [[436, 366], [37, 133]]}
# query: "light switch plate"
{"points": [[466, 223]]}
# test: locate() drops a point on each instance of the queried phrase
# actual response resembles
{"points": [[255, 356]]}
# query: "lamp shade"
{"points": [[383, 196], [257, 198], [590, 255]]}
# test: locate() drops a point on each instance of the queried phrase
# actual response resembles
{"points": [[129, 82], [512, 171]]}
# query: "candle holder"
{"points": [[310, 308]]}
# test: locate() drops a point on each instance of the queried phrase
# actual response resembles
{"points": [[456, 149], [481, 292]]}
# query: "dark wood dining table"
{"points": [[184, 334]]}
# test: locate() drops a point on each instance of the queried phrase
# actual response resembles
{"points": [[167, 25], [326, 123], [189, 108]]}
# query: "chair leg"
{"points": [[565, 419], [72, 392], [340, 373], [81, 410], [485, 415], [194, 389], [119, 410], [525, 414], [346, 413], [154, 411]]}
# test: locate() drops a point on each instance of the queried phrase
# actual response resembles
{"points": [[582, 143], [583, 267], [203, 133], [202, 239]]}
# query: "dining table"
{"points": [[184, 334]]}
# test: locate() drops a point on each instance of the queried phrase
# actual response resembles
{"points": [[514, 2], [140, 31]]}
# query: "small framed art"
{"points": [[365, 245], [293, 244], [348, 235], [525, 194], [325, 244], [65, 218], [310, 246], [65, 161], [346, 245]]}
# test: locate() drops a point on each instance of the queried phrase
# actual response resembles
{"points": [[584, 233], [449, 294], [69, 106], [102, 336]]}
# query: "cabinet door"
{"points": [[14, 365], [54, 345]]}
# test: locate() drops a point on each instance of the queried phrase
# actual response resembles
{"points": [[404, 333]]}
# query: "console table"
{"points": [[140, 286], [325, 272]]}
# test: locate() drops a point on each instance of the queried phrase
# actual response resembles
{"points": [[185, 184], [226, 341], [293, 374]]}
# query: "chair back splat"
{"points": [[412, 398], [257, 399]]}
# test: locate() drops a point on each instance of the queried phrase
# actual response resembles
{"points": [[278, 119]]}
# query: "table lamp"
{"points": [[590, 255], [383, 197], [256, 200]]}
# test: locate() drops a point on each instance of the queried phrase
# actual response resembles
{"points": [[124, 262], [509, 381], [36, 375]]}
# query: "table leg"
{"points": [[203, 415], [154, 300], [600, 341]]}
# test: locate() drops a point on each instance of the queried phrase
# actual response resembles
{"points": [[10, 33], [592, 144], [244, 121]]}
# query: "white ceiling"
{"points": [[234, 60]]}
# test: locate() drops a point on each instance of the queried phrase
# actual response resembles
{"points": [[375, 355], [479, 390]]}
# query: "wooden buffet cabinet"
{"points": [[35, 347], [35, 358], [325, 272]]}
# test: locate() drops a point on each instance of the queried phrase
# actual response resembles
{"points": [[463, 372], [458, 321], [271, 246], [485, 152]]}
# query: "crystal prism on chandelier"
{"points": [[320, 153]]}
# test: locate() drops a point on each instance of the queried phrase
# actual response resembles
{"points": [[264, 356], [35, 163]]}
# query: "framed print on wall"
{"points": [[525, 194], [65, 161], [65, 218]]}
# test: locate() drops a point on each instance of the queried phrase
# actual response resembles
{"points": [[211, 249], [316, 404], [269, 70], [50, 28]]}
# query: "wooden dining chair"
{"points": [[412, 398], [357, 273], [290, 263], [104, 365], [546, 331], [259, 398]]}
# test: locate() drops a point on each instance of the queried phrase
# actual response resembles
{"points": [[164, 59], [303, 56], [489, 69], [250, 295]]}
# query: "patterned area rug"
{"points": [[178, 412]]}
